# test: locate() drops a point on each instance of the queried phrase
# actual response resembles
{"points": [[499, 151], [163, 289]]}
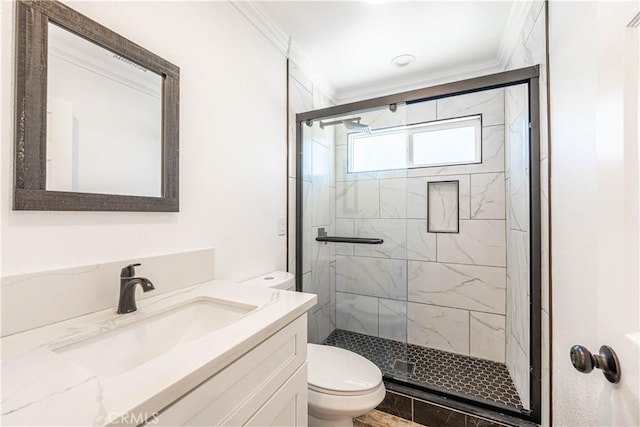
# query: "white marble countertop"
{"points": [[40, 387]]}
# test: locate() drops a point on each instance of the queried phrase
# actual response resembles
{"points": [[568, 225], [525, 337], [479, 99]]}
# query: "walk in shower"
{"points": [[417, 226]]}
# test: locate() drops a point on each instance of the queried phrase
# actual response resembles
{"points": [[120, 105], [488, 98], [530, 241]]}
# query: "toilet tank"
{"points": [[275, 279]]}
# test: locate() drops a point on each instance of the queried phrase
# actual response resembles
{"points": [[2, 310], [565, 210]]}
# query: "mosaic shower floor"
{"points": [[478, 378]]}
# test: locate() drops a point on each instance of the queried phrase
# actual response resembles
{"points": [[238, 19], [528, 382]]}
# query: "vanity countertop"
{"points": [[40, 387]]}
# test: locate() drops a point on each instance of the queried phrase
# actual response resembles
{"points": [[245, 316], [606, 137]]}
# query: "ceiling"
{"points": [[350, 44]]}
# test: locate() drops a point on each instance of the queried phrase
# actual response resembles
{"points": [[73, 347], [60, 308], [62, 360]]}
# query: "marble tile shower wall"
{"points": [[518, 237], [530, 50], [445, 291], [318, 188]]}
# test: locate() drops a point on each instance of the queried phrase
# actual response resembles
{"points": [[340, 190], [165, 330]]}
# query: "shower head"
{"points": [[354, 124], [351, 124]]}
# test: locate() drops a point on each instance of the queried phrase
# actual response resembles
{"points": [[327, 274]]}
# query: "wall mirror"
{"points": [[96, 117]]}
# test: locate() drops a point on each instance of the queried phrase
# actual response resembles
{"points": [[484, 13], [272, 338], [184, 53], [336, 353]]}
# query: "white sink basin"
{"points": [[128, 347]]}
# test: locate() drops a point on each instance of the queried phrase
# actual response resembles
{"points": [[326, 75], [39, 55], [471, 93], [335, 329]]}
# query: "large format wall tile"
{"points": [[358, 199], [487, 336], [518, 282], [291, 230], [421, 112], [438, 327], [392, 231], [307, 227], [417, 206], [320, 182], [417, 203], [357, 313], [480, 242], [393, 198], [489, 103], [421, 245], [332, 291], [322, 323], [519, 176], [518, 365], [381, 277], [488, 196], [307, 284], [455, 285], [382, 117], [392, 323], [300, 99], [320, 273], [344, 228]]}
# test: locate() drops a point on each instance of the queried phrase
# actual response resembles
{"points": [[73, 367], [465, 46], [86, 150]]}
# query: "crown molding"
{"points": [[264, 23], [278, 37], [282, 41], [440, 77]]}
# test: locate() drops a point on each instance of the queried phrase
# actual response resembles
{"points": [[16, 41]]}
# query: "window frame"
{"points": [[410, 131]]}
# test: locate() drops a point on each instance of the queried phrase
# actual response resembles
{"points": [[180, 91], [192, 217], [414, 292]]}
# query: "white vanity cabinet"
{"points": [[267, 386]]}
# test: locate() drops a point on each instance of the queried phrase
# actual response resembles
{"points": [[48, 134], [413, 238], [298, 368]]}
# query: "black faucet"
{"points": [[128, 282]]}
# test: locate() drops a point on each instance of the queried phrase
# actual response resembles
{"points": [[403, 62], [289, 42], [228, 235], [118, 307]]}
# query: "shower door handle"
{"points": [[607, 360]]}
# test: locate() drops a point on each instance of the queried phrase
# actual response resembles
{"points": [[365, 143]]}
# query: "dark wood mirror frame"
{"points": [[31, 113]]}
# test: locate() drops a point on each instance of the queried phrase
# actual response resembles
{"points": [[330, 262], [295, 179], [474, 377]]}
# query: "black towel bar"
{"points": [[322, 237]]}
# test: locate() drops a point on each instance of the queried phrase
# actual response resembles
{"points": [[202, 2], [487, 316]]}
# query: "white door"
{"points": [[593, 58]]}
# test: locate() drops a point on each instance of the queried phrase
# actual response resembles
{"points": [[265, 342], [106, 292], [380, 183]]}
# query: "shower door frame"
{"points": [[529, 76]]}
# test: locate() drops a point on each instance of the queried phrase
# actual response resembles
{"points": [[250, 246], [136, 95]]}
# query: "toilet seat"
{"points": [[338, 372]]}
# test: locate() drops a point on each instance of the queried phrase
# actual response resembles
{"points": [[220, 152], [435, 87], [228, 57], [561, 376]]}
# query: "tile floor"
{"points": [[478, 378]]}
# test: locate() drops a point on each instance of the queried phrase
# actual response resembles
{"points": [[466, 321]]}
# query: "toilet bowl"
{"points": [[342, 385]]}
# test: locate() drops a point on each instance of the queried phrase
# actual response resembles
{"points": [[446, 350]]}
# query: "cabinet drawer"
{"points": [[234, 394]]}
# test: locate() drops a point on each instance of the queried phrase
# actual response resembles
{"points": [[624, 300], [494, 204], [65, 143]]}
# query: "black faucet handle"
{"points": [[129, 271]]}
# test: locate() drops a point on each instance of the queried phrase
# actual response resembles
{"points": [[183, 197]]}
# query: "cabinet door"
{"points": [[234, 394], [288, 406]]}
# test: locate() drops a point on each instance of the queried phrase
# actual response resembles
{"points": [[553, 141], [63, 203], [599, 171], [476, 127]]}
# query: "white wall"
{"points": [[232, 149], [595, 212]]}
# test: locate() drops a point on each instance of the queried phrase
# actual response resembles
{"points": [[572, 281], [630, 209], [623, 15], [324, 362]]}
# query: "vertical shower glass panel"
{"points": [[442, 304]]}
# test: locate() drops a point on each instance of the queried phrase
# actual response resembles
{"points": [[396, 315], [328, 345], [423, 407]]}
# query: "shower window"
{"points": [[378, 151], [440, 143]]}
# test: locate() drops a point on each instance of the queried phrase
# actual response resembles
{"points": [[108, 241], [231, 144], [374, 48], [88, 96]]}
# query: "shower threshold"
{"points": [[428, 367]]}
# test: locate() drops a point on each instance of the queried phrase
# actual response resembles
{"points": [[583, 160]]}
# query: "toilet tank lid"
{"points": [[340, 370], [275, 279]]}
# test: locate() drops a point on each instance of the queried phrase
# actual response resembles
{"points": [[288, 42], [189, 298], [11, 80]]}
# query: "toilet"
{"points": [[342, 385]]}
